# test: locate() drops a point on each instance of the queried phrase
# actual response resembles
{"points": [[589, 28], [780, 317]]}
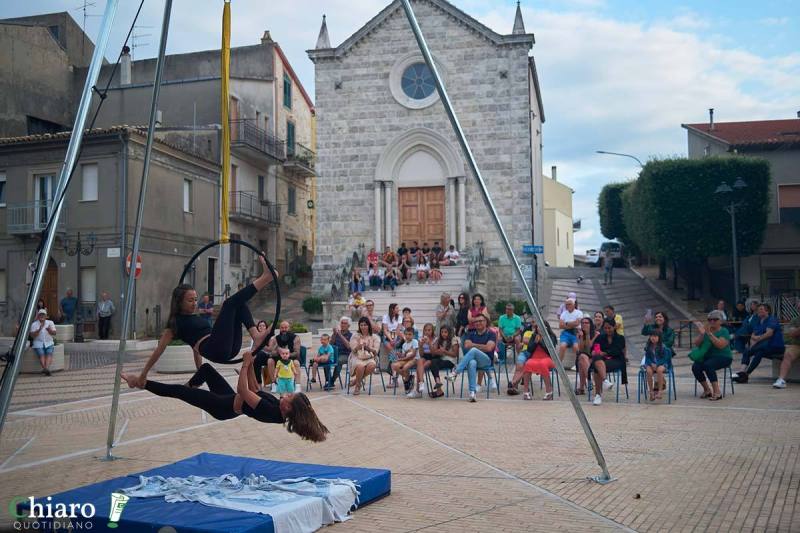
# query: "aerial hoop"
{"points": [[276, 319]]}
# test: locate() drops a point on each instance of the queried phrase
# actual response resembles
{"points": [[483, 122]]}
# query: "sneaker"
{"points": [[597, 399], [741, 377], [779, 384], [478, 388], [274, 388], [451, 377], [512, 391], [414, 394], [527, 396], [492, 385], [472, 397], [328, 387], [297, 388], [47, 372], [608, 385], [422, 388], [570, 368]]}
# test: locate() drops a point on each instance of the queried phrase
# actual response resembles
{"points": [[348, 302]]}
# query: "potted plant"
{"points": [[312, 305], [302, 331]]}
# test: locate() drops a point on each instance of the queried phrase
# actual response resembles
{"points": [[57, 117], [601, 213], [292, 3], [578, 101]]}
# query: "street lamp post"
{"points": [[621, 155], [77, 251], [724, 189]]}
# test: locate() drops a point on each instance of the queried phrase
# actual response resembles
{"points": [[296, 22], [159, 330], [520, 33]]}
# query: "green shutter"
{"points": [[290, 138]]}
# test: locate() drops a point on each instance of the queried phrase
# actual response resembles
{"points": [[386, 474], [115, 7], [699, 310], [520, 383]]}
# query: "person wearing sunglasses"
{"points": [[713, 352]]}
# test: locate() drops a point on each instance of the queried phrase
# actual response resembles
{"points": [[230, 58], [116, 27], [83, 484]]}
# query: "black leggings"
{"points": [[440, 363], [226, 335], [218, 401]]}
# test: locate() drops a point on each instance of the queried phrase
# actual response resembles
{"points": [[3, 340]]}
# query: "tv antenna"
{"points": [[85, 8], [136, 39]]}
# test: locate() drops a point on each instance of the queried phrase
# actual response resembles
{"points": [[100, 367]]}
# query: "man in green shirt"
{"points": [[510, 325]]}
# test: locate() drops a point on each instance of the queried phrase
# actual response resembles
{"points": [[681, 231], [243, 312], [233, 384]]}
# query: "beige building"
{"points": [[559, 244]]}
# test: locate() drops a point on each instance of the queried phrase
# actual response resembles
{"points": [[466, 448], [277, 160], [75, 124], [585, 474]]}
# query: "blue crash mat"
{"points": [[151, 514]]}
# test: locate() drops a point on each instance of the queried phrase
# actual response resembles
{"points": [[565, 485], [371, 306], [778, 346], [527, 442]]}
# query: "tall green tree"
{"points": [[673, 211], [609, 207]]}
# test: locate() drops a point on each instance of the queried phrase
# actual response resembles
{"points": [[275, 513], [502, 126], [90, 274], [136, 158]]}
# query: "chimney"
{"points": [[553, 173], [125, 66], [266, 38], [798, 114], [710, 119]]}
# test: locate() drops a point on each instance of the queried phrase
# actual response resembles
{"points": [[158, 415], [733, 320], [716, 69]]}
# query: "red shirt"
{"points": [[372, 258]]}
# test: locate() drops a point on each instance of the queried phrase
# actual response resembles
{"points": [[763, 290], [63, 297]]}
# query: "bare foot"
{"points": [[266, 276]]}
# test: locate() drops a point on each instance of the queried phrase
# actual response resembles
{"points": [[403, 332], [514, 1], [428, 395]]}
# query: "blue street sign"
{"points": [[531, 249]]}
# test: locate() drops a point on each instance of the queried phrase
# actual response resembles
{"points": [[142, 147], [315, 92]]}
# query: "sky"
{"points": [[616, 75]]}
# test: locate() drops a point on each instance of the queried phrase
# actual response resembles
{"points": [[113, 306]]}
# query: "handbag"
{"points": [[698, 354]]}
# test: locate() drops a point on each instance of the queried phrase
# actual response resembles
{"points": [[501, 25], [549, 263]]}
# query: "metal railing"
{"points": [[301, 154], [245, 131], [474, 257], [248, 205], [31, 217], [341, 277]]}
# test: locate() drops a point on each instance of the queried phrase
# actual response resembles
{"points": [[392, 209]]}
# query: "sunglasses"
{"points": [[713, 319]]}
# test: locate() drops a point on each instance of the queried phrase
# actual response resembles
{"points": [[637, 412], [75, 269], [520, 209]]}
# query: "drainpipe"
{"points": [[123, 216]]}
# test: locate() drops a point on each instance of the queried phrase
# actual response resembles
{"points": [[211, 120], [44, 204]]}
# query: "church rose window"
{"points": [[417, 81]]}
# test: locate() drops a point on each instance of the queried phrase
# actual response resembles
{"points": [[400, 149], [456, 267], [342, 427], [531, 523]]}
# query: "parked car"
{"points": [[592, 257], [614, 251]]}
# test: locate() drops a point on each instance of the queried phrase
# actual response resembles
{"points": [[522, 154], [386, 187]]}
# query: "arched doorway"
{"points": [[50, 289]]}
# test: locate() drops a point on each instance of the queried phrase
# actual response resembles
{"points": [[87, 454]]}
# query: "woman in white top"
{"points": [[389, 327], [423, 269], [42, 331]]}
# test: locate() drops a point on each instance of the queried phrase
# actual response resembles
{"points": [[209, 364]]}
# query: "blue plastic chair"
{"points": [[617, 381], [329, 366], [642, 385], [727, 374]]}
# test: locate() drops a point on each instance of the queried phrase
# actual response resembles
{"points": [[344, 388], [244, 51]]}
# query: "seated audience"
{"points": [[616, 317], [741, 339], [323, 357], [462, 318], [425, 251], [368, 311], [436, 251], [656, 361], [356, 281], [372, 258], [608, 355], [389, 327], [404, 267], [721, 308], [712, 352], [660, 322], [423, 270], [424, 358], [587, 338], [480, 346], [406, 358], [766, 341], [740, 311], [478, 310], [389, 258], [539, 363], [436, 271], [341, 339], [444, 355], [445, 312], [364, 348], [792, 352], [390, 279], [451, 256], [510, 329], [375, 280], [355, 303], [402, 251]]}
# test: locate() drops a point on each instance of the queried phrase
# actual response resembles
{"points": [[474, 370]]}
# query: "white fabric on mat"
{"points": [[296, 505]]}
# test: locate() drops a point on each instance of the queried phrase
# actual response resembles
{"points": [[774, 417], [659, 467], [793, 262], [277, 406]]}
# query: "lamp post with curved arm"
{"points": [[621, 155], [725, 190]]}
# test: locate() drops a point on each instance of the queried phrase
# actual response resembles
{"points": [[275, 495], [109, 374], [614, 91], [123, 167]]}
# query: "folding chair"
{"points": [[617, 381], [369, 388], [326, 367], [553, 379], [642, 385], [727, 374]]}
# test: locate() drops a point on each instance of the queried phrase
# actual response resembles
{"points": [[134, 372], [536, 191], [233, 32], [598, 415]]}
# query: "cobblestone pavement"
{"points": [[502, 464]]}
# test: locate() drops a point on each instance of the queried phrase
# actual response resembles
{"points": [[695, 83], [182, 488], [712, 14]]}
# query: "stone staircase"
{"points": [[422, 298]]}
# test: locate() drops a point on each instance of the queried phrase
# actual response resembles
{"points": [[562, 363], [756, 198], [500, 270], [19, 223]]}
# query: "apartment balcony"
{"points": [[250, 141], [30, 218], [300, 160], [245, 207]]}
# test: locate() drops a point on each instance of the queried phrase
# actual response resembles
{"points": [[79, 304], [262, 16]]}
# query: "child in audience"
{"points": [[323, 357], [436, 271], [451, 256], [407, 358], [656, 361], [286, 371], [424, 357]]}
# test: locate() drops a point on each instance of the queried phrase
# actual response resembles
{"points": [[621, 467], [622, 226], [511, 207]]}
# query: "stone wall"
{"points": [[488, 85]]}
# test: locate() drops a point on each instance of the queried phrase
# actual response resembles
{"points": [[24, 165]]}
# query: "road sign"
{"points": [[138, 271], [531, 249]]}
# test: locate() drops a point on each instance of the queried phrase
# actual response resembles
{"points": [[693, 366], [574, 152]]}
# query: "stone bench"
{"points": [[30, 361]]}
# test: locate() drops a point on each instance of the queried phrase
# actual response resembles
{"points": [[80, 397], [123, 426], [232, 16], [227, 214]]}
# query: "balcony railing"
{"points": [[31, 217], [245, 132], [301, 158], [246, 205]]}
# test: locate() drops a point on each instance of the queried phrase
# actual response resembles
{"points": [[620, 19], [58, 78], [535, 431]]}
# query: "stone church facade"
{"points": [[390, 169]]}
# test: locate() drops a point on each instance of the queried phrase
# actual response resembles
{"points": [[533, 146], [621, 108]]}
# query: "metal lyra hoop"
{"points": [[212, 244]]}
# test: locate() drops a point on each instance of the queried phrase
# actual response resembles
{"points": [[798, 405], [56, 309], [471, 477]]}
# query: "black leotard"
{"points": [[191, 328]]}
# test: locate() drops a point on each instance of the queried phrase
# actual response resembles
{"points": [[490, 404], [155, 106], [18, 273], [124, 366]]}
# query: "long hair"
{"points": [[175, 305], [480, 296], [666, 318], [658, 349], [303, 421], [447, 345]]}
